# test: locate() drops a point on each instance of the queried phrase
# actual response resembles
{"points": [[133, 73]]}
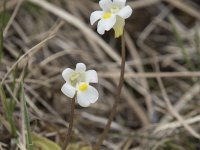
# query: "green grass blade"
{"points": [[1, 35], [2, 23], [4, 18], [197, 45], [27, 121], [181, 45], [14, 75], [1, 44], [4, 101], [8, 108]]}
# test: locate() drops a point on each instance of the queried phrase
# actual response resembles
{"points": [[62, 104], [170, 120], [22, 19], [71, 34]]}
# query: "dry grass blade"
{"points": [[30, 52], [143, 3], [187, 8], [187, 74], [9, 5], [173, 111], [12, 18], [174, 125]]}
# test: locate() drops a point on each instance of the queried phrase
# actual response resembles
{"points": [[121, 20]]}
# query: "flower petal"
{"points": [[109, 23], [106, 24], [96, 15], [80, 67], [101, 27], [68, 90], [120, 3], [91, 76], [125, 12], [94, 94], [66, 74], [105, 4], [82, 101], [86, 97]]}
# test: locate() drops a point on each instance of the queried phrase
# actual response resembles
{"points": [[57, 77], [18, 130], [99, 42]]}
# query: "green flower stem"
{"points": [[117, 97], [71, 120]]}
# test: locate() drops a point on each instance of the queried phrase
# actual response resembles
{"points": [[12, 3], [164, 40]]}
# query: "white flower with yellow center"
{"points": [[77, 84], [113, 16]]}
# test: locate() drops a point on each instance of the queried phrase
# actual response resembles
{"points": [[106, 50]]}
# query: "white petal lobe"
{"points": [[120, 3], [109, 23], [94, 95], [80, 67], [68, 90], [105, 4], [86, 97], [81, 101], [101, 27], [125, 12], [96, 15], [91, 76], [66, 74]]}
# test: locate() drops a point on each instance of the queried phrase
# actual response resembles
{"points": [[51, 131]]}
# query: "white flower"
{"points": [[113, 15], [77, 84]]}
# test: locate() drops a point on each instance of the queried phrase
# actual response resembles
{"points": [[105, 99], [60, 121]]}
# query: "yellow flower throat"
{"points": [[108, 14], [83, 87]]}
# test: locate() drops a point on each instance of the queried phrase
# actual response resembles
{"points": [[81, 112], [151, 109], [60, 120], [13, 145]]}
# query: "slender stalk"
{"points": [[117, 97], [71, 120]]}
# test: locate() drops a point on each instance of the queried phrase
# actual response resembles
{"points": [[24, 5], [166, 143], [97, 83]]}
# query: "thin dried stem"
{"points": [[71, 120], [117, 97], [185, 74]]}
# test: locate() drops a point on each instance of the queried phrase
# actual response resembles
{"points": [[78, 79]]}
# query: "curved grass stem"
{"points": [[71, 120], [117, 97]]}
